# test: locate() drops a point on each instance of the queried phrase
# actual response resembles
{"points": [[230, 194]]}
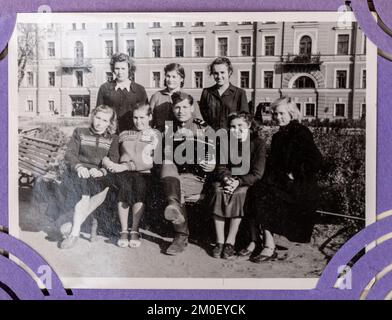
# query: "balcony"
{"points": [[78, 63], [301, 62]]}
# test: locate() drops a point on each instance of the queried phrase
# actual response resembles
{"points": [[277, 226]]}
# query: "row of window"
{"points": [[309, 109], [268, 79], [305, 47], [131, 25]]}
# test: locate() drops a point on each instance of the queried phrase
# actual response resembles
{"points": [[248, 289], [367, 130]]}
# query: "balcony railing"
{"points": [[301, 61], [77, 63]]}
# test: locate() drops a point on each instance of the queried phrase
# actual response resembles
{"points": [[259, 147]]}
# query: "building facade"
{"points": [[320, 66]]}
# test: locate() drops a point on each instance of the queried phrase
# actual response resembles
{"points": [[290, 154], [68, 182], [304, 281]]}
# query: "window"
{"points": [[363, 111], [51, 105], [199, 79], [156, 24], [156, 48], [109, 26], [341, 79], [30, 79], [310, 109], [131, 48], [198, 24], [244, 79], [305, 45], [245, 46], [74, 26], [51, 79], [30, 106], [79, 78], [199, 47], [179, 24], [304, 82], [343, 40], [363, 79], [79, 51], [222, 47], [109, 76], [364, 44], [268, 79], [83, 26], [51, 50], [298, 106], [340, 109], [222, 24], [179, 47], [245, 23], [130, 25], [269, 46], [109, 48], [156, 79]]}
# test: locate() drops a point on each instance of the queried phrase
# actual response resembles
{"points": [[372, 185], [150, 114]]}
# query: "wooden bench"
{"points": [[35, 159]]}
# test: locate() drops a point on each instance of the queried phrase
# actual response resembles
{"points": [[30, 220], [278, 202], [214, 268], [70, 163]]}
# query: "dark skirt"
{"points": [[133, 186], [72, 187], [228, 206], [294, 220]]}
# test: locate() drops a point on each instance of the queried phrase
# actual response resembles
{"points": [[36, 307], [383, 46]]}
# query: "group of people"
{"points": [[131, 139]]}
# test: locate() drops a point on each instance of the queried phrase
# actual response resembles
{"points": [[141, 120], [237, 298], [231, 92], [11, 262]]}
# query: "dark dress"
{"points": [[283, 205], [122, 101], [215, 109], [232, 206]]}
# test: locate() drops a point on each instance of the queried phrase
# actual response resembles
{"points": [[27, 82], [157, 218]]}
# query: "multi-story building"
{"points": [[319, 65]]}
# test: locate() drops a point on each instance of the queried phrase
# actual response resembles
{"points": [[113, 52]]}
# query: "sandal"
{"points": [[264, 257], [123, 241], [246, 252], [135, 240]]}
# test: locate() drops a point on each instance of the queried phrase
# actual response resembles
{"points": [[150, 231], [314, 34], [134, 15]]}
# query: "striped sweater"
{"points": [[137, 148], [87, 148]]}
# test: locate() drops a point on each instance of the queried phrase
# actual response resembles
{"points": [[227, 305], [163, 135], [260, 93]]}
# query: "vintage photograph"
{"points": [[154, 150]]}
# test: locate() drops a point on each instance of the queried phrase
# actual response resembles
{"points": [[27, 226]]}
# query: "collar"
{"points": [[125, 85], [186, 124], [167, 92], [93, 132], [230, 90]]}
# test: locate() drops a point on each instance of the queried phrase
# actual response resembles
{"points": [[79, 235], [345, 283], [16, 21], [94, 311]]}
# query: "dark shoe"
{"points": [[173, 212], [228, 251], [262, 257], [178, 245], [69, 242], [217, 251]]}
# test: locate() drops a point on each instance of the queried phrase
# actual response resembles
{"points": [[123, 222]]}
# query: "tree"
{"points": [[27, 47]]}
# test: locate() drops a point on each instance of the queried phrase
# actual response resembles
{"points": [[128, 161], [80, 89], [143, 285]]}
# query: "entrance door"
{"points": [[80, 106]]}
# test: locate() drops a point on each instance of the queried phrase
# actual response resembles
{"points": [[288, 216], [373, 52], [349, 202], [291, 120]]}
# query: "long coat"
{"points": [[288, 195]]}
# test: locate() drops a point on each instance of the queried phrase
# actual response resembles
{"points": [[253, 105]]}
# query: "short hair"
{"points": [[175, 67], [122, 57], [290, 106], [249, 119], [113, 119], [180, 96], [143, 106], [221, 60]]}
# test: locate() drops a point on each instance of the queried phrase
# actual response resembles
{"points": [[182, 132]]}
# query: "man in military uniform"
{"points": [[188, 159]]}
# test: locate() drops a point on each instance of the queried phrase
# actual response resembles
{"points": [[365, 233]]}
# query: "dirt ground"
{"points": [[104, 259]]}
